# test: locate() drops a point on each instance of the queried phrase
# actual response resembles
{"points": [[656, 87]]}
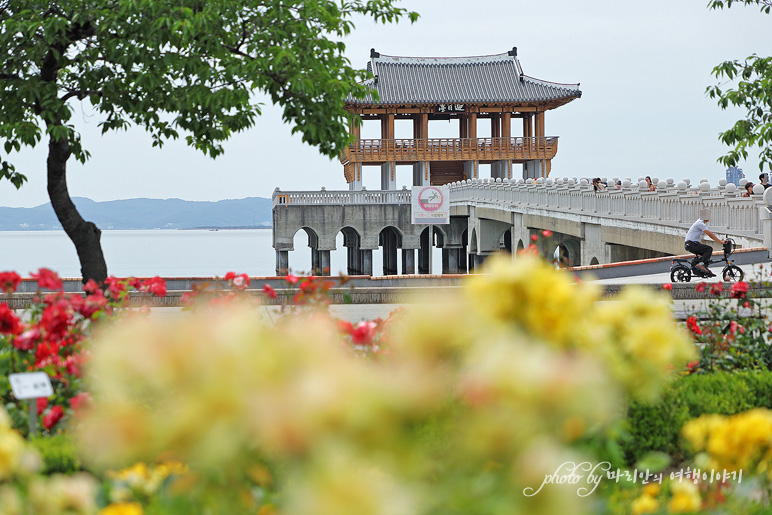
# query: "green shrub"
{"points": [[58, 452], [657, 427]]}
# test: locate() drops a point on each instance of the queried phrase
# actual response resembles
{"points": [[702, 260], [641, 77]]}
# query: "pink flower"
{"points": [[53, 417], [292, 279], [716, 288], [9, 281], [268, 291], [546, 233], [700, 287], [9, 322], [733, 325], [72, 365], [230, 276], [363, 333], [667, 286], [28, 339], [241, 281], [534, 237]]}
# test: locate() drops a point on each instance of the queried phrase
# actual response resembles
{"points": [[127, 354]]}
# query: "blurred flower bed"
{"points": [[491, 401]]}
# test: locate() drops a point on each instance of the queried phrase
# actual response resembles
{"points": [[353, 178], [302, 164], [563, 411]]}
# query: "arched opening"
{"points": [[506, 243], [427, 251], [560, 256], [390, 239], [594, 261], [354, 258], [301, 262]]}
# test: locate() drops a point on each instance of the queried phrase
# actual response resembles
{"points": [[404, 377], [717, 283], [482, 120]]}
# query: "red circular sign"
{"points": [[430, 199]]}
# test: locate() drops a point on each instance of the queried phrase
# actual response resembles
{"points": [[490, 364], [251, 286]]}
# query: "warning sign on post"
{"points": [[431, 205]]}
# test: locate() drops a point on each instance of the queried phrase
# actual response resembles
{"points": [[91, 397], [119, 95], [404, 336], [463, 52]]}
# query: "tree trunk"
{"points": [[84, 235]]}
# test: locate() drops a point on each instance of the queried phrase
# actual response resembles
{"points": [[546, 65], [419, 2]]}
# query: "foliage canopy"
{"points": [[177, 67], [751, 90]]}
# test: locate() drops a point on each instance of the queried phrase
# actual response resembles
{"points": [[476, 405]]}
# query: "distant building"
{"points": [[734, 174]]}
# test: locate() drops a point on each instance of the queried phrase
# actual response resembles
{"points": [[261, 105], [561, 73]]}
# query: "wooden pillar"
{"points": [[463, 126], [471, 129], [506, 125], [355, 129], [527, 127], [496, 126], [387, 126], [540, 125]]}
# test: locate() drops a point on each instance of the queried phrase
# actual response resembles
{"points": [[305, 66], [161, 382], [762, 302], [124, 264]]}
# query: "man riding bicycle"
{"points": [[693, 243]]}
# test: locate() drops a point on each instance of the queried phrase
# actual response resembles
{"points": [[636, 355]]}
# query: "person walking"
{"points": [[693, 243]]}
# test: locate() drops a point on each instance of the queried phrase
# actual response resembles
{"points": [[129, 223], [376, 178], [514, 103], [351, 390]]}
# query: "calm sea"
{"points": [[169, 253]]}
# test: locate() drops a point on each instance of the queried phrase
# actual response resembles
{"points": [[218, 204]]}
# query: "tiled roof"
{"points": [[483, 79]]}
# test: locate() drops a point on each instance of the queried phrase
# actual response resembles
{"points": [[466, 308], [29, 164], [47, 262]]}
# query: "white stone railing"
{"points": [[323, 197], [670, 204]]}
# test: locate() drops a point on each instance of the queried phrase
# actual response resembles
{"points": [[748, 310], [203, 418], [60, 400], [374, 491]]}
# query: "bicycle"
{"points": [[681, 270]]}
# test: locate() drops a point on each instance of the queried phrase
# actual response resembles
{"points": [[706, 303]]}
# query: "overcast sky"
{"points": [[643, 68]]}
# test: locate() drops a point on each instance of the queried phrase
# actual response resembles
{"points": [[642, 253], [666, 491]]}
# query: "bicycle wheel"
{"points": [[680, 274], [732, 273]]}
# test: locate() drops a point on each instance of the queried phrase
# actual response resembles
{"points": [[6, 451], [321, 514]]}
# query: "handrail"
{"points": [[669, 206], [449, 149]]}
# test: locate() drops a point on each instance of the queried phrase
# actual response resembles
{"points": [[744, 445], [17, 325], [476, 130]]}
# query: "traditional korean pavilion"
{"points": [[466, 89]]}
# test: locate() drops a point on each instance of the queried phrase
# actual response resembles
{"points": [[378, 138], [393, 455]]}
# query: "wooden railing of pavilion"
{"points": [[449, 149]]}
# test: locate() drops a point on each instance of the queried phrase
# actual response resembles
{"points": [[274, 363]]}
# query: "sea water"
{"points": [[172, 253]]}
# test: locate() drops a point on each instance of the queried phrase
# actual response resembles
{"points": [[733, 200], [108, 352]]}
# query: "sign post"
{"points": [[430, 205], [31, 386]]}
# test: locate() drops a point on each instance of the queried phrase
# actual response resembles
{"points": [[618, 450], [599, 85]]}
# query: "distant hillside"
{"points": [[145, 213]]}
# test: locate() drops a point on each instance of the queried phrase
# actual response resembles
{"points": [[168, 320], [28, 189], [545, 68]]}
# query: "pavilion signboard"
{"points": [[450, 108], [430, 205]]}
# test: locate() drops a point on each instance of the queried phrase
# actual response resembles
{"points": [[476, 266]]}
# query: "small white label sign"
{"points": [[430, 205], [31, 385]]}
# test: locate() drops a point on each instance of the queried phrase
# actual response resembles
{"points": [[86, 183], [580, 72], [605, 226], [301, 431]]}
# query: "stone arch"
{"points": [[506, 245], [390, 239], [573, 246], [562, 255], [352, 241]]}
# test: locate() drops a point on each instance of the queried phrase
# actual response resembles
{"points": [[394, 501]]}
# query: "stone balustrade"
{"points": [[670, 204]]}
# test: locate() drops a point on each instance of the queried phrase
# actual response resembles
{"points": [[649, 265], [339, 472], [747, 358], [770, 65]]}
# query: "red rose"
{"points": [[80, 401], [534, 237], [53, 417], [700, 287], [292, 279], [9, 281], [9, 322], [115, 286], [739, 290], [546, 233], [667, 287], [56, 318], [240, 282], [716, 288], [156, 286], [27, 340], [229, 276], [48, 279], [91, 287], [42, 403], [268, 291]]}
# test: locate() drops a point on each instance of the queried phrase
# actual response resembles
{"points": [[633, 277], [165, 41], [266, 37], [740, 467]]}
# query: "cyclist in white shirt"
{"points": [[694, 243]]}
